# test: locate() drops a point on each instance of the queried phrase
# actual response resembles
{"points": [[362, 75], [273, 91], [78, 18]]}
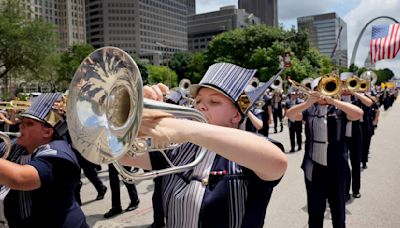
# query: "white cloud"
{"points": [[292, 9], [356, 13], [203, 6], [361, 15]]}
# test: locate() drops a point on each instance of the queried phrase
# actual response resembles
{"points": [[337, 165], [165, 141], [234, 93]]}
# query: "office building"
{"points": [[68, 16], [203, 27], [266, 10], [327, 33], [150, 29]]}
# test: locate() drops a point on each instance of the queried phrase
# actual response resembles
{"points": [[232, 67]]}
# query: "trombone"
{"points": [[14, 104], [328, 85], [104, 112]]}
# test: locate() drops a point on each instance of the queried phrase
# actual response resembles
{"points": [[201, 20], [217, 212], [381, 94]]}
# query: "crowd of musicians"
{"points": [[232, 186]]}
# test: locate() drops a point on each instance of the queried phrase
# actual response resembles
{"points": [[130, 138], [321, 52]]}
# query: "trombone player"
{"points": [[354, 135], [325, 159]]}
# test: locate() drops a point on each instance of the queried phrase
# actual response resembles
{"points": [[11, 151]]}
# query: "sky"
{"points": [[356, 13]]}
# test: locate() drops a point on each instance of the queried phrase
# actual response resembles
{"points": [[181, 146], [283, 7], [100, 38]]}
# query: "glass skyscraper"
{"points": [[327, 33]]}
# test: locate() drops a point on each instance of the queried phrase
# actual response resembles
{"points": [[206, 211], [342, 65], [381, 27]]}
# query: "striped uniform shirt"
{"points": [[233, 196]]}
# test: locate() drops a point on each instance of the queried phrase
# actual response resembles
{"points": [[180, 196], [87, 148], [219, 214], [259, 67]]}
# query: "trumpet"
{"points": [[104, 112]]}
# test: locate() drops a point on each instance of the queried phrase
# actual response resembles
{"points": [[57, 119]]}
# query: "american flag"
{"points": [[385, 42]]}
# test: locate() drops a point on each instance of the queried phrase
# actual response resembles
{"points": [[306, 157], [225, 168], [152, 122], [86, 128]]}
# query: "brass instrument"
{"points": [[259, 104], [255, 82], [364, 85], [185, 84], [370, 78], [181, 93], [104, 112], [5, 136], [300, 86], [352, 83], [15, 104], [330, 85], [277, 84], [307, 82]]}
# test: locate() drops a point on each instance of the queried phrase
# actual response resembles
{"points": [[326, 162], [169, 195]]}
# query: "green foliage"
{"points": [[142, 68], [384, 75], [197, 67], [26, 46], [259, 47], [162, 74], [180, 62], [69, 63]]}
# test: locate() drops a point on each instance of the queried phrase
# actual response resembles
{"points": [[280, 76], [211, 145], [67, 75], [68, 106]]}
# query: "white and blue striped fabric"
{"points": [[227, 78], [41, 106]]}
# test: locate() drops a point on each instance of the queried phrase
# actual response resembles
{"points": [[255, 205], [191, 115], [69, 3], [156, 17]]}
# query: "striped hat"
{"points": [[42, 109], [227, 78]]}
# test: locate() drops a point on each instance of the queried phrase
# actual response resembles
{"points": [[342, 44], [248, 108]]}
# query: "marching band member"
{"points": [[277, 109], [38, 186], [370, 122], [324, 162], [295, 127], [266, 115], [232, 185], [354, 139]]}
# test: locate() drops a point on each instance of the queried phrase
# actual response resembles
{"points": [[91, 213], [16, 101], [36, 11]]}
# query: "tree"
{"points": [[26, 46], [69, 63], [259, 47], [162, 74], [197, 67], [142, 68], [179, 62]]}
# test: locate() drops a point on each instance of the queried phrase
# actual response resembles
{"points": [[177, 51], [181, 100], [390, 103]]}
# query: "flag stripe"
{"points": [[385, 42], [396, 41]]}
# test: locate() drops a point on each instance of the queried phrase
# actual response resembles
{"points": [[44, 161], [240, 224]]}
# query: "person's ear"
{"points": [[48, 132], [237, 117]]}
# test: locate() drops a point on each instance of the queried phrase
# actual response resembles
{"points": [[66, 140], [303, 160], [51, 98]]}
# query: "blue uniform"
{"points": [[53, 204], [234, 196]]}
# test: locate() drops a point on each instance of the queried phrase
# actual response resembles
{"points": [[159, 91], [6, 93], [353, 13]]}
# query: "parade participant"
{"points": [[116, 193], [295, 127], [232, 185], [325, 162], [41, 185], [370, 122], [89, 169], [277, 109], [266, 115]]}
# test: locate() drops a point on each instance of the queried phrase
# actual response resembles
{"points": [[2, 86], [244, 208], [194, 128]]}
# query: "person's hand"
{"points": [[155, 92], [162, 128], [328, 99], [313, 97]]}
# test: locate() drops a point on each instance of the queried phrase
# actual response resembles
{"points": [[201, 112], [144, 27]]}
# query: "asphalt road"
{"points": [[378, 206]]}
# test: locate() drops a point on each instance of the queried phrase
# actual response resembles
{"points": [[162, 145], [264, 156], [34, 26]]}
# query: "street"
{"points": [[377, 207]]}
